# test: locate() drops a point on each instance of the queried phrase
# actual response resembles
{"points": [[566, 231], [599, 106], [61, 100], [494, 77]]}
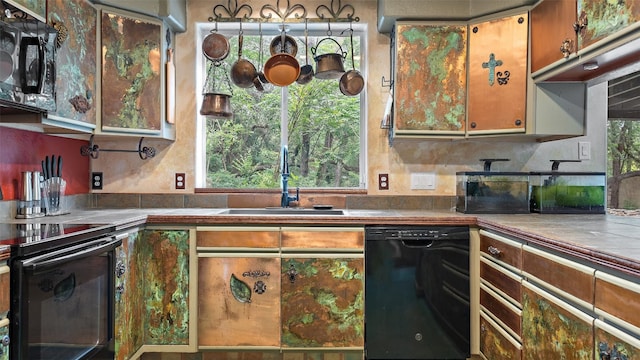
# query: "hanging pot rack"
{"points": [[295, 13]]}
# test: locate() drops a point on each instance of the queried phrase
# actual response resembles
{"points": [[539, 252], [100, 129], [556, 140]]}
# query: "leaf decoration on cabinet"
{"points": [[240, 290]]}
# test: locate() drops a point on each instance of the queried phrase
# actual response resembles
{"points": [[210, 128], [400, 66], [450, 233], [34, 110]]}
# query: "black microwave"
{"points": [[27, 65]]}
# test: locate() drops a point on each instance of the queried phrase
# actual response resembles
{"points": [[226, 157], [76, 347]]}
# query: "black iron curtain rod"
{"points": [[93, 150], [234, 12]]}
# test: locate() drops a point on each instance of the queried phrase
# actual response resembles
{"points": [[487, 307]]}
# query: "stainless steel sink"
{"points": [[282, 211]]}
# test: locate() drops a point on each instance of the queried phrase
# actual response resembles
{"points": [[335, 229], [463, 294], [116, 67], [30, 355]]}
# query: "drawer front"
{"points": [[323, 238], [501, 249], [234, 237], [576, 281], [501, 309], [501, 279], [4, 291], [617, 297], [495, 343]]}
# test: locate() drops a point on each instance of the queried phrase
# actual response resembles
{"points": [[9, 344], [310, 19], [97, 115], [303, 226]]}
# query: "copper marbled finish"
{"points": [[164, 264], [614, 347], [494, 345], [605, 18], [129, 314], [550, 332], [75, 59], [324, 305], [4, 354]]}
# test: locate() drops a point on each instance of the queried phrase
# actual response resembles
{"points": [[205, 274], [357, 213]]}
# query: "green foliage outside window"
{"points": [[323, 129]]}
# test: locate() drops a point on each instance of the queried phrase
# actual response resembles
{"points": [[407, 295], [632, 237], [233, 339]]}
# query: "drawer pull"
{"points": [[494, 251]]}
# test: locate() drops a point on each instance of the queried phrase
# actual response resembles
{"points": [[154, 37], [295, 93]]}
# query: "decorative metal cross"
{"points": [[491, 65]]}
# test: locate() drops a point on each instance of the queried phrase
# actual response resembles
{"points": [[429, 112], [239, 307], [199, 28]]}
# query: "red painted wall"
{"points": [[22, 150]]}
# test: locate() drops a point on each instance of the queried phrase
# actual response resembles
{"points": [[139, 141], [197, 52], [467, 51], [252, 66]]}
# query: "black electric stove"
{"points": [[31, 238]]}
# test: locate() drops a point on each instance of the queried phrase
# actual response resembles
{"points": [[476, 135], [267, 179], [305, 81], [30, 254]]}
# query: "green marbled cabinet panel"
{"points": [[605, 18], [551, 332], [607, 344], [129, 312], [131, 78], [430, 78], [163, 264], [75, 59], [324, 305], [4, 354], [37, 8]]}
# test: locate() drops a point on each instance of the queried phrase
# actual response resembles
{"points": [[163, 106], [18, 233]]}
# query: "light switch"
{"points": [[423, 181], [584, 150]]}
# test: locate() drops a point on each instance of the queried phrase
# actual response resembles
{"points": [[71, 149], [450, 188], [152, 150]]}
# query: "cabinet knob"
{"points": [[5, 340], [518, 122], [473, 125], [292, 273], [494, 251], [566, 47]]}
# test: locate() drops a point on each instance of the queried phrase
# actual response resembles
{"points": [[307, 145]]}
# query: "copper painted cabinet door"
{"points": [[322, 302], [163, 262], [603, 18], [129, 313], [4, 345], [612, 343], [238, 301], [430, 79], [496, 343], [497, 75], [131, 73], [553, 329], [75, 59], [552, 33]]}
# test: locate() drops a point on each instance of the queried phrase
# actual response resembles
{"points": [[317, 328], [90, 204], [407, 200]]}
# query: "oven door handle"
{"points": [[53, 259]]}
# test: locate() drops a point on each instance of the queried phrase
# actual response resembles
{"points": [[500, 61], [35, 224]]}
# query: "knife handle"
{"points": [[59, 170]]}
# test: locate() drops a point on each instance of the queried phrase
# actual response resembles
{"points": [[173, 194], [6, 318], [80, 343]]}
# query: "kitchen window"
{"points": [[323, 128]]}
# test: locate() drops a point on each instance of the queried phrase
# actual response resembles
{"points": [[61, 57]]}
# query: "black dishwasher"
{"points": [[417, 292]]}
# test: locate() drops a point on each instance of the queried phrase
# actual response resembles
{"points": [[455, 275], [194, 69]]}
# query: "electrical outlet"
{"points": [[180, 181], [96, 181], [383, 181]]}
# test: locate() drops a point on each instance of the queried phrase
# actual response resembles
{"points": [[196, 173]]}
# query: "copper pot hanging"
{"points": [[329, 65], [282, 69], [351, 82]]}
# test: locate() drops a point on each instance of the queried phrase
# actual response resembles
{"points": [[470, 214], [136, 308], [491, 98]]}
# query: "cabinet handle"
{"points": [[119, 291], [121, 269], [483, 328], [292, 273], [494, 251], [581, 24]]}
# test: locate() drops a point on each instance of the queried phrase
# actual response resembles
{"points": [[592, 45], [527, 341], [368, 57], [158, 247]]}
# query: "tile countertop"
{"points": [[611, 240]]}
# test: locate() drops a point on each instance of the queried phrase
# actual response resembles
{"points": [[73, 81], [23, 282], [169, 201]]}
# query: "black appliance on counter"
{"points": [[417, 292], [62, 291], [27, 66]]}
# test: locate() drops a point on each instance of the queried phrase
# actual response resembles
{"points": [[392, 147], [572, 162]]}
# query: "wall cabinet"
{"points": [[552, 34], [35, 8], [599, 19], [430, 85], [498, 75], [76, 65], [287, 289], [131, 81]]}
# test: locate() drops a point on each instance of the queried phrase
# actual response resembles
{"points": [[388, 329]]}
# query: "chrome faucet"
{"points": [[284, 179]]}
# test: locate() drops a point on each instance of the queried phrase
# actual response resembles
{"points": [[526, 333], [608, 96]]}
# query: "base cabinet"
{"points": [[553, 328], [239, 300], [129, 313], [322, 302], [495, 343]]}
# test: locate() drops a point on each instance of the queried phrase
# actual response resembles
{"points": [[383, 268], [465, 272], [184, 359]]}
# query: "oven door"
{"points": [[62, 303]]}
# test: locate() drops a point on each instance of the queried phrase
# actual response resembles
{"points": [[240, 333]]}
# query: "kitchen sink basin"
{"points": [[282, 211]]}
